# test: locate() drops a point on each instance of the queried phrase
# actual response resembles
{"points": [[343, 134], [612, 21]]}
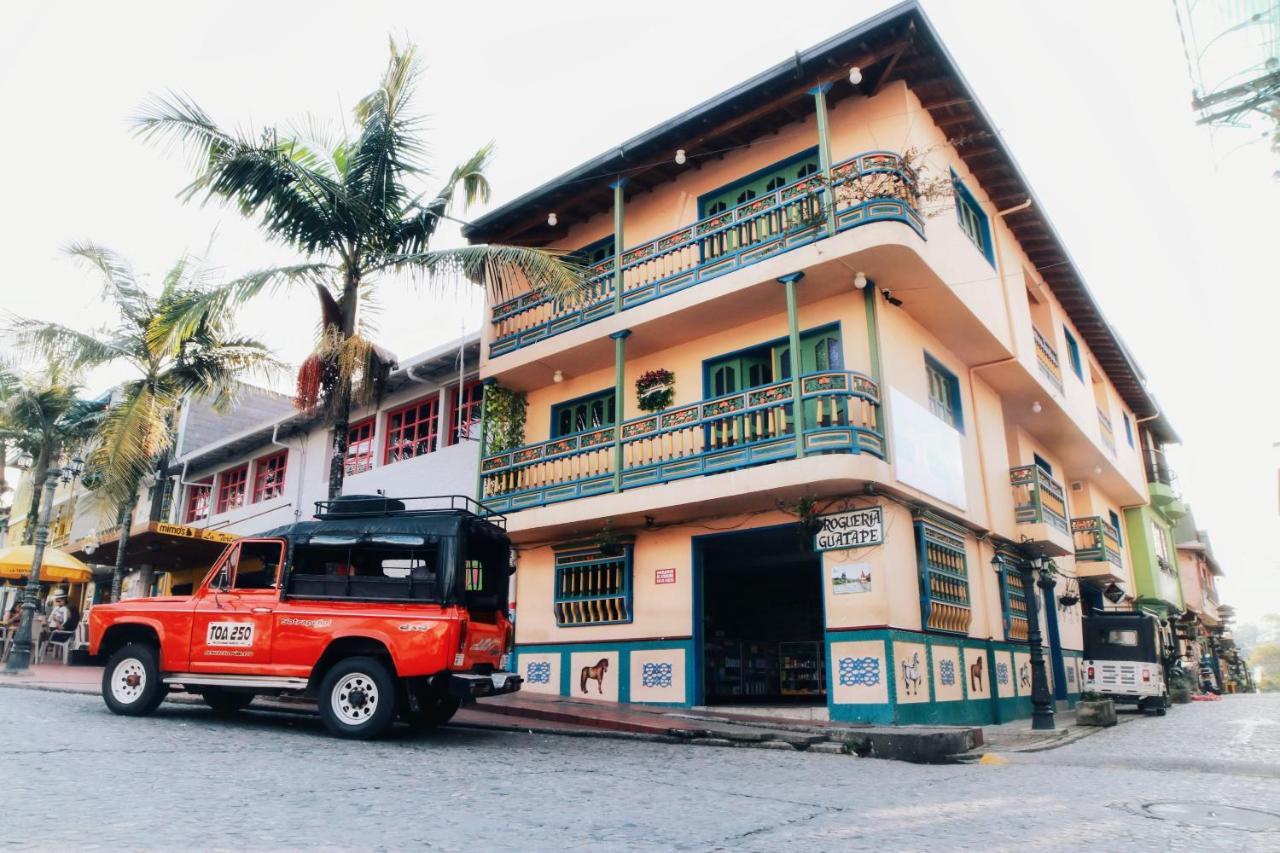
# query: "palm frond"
{"points": [[134, 433], [180, 122], [503, 270], [188, 310], [119, 284], [214, 369], [62, 344], [414, 228], [387, 146]]}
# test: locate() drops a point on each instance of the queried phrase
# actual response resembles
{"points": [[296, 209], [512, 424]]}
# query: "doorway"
{"points": [[762, 619]]}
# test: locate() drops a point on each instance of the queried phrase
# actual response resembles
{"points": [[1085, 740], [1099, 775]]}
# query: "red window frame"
{"points": [[412, 430], [268, 476], [472, 395], [198, 499], [232, 485], [359, 447]]}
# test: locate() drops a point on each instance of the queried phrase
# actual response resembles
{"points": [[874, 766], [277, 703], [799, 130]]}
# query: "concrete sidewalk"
{"points": [[696, 726]]}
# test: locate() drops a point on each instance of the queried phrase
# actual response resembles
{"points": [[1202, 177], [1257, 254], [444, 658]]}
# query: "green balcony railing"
{"points": [[1096, 540], [873, 187], [840, 414], [1038, 498]]}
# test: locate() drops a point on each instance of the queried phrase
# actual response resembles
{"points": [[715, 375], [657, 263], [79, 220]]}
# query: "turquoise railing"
{"points": [[1038, 498], [841, 414], [1096, 541], [873, 187]]}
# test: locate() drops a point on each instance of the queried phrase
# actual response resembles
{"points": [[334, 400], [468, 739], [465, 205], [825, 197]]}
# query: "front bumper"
{"points": [[470, 685]]}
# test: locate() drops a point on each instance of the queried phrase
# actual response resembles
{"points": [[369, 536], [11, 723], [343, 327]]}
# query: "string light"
{"points": [[681, 159]]}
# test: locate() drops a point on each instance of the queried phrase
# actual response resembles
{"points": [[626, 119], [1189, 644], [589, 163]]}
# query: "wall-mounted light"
{"points": [[680, 157], [1097, 469], [551, 219], [860, 281], [890, 298], [558, 376], [855, 75], [1036, 408]]}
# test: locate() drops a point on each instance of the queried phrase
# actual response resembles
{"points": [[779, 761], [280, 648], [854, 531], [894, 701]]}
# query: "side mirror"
{"points": [[220, 581]]}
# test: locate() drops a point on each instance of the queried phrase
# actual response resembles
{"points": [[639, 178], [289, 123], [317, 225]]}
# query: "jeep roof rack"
{"points": [[370, 506]]}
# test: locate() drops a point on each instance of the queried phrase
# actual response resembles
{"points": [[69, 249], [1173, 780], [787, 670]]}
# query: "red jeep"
{"points": [[376, 610]]}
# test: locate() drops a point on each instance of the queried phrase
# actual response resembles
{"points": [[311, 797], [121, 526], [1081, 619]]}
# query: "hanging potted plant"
{"points": [[655, 390], [805, 510], [607, 542]]}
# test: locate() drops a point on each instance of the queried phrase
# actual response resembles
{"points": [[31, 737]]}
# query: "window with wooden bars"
{"points": [[1013, 596], [232, 484], [591, 587], [359, 447], [268, 476], [464, 414], [944, 575], [973, 220], [198, 500], [412, 430], [944, 393]]}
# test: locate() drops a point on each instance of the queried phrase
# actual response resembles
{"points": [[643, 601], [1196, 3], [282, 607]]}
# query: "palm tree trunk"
{"points": [[342, 411], [125, 520], [38, 473]]}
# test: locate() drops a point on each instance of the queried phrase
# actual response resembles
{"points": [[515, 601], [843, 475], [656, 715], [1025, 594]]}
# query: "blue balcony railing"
{"points": [[840, 414], [872, 187]]}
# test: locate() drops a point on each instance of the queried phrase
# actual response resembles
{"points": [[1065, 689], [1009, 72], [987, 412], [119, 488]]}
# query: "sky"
{"points": [[1173, 226]]}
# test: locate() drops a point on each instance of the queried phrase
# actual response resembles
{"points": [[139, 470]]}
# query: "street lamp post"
{"points": [[20, 655], [1041, 701]]}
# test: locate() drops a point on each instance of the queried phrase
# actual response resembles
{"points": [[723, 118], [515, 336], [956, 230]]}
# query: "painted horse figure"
{"points": [[975, 675], [911, 675], [597, 672], [1024, 675]]}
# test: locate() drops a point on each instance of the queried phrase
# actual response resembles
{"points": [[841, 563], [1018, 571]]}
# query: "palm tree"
{"points": [[351, 205], [205, 359], [43, 415]]}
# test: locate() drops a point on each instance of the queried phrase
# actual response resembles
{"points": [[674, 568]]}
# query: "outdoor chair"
{"points": [[63, 643]]}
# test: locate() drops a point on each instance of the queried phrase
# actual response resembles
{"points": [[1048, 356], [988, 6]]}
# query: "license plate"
{"points": [[229, 634]]}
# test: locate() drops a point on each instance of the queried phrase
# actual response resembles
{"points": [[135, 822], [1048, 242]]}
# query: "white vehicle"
{"points": [[1124, 659]]}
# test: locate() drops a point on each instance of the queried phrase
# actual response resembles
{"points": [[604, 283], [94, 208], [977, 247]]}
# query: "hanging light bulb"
{"points": [[680, 158], [557, 376], [860, 281], [855, 75], [551, 219], [1036, 408]]}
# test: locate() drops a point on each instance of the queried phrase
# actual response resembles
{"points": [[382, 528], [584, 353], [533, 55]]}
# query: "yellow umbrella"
{"points": [[15, 564]]}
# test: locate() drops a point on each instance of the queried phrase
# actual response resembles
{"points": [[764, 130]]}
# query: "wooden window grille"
{"points": [[360, 447], [412, 430], [198, 500], [944, 575], [1013, 596], [268, 476], [232, 486], [592, 588]]}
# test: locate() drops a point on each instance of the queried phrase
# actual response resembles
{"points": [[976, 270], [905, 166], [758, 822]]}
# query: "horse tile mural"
{"points": [[911, 672], [594, 675], [977, 673]]}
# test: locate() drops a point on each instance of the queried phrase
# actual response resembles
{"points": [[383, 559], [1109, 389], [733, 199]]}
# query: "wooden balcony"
{"points": [[872, 187], [1047, 359], [1040, 508], [840, 414], [1097, 548]]}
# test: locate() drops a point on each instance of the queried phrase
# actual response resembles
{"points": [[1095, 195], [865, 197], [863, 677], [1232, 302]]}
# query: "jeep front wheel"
{"points": [[131, 683], [358, 698]]}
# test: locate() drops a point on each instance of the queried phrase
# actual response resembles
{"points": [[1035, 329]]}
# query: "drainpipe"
{"points": [[793, 333], [872, 310], [819, 93], [302, 468], [618, 198], [619, 354]]}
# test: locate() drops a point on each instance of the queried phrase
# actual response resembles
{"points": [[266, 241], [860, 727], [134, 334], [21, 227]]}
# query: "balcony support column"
{"points": [[619, 391], [793, 334], [618, 197], [484, 401], [872, 308], [824, 152]]}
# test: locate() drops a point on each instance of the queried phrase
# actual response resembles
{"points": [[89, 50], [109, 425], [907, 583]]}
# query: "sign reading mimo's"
{"points": [[855, 528]]}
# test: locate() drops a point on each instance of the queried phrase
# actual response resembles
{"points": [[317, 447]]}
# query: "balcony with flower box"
{"points": [[876, 186], [1040, 509], [840, 413], [1097, 548]]}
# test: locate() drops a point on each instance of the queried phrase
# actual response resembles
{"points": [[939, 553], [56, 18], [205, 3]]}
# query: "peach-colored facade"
{"points": [[972, 431]]}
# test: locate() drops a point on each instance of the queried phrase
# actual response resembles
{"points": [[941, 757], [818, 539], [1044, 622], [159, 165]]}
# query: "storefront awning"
{"points": [[163, 546]]}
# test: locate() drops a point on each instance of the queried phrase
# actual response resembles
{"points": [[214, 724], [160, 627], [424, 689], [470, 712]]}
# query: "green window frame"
{"points": [[592, 588], [1128, 428], [1013, 597], [1073, 352], [766, 180], [593, 253], [944, 575], [944, 393], [1114, 518], [973, 219], [581, 414], [1042, 463]]}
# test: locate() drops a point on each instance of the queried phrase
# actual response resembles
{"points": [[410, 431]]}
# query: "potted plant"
{"points": [[1094, 709], [607, 541], [805, 510], [655, 390]]}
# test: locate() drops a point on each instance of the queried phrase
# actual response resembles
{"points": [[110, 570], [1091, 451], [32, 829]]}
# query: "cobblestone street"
{"points": [[76, 776]]}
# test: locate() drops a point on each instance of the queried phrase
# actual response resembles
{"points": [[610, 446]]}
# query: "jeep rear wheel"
{"points": [[431, 711], [358, 698], [131, 684], [226, 702]]}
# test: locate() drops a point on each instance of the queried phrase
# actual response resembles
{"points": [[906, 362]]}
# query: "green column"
{"points": [[873, 346], [484, 404], [617, 244], [619, 392], [824, 151], [793, 333]]}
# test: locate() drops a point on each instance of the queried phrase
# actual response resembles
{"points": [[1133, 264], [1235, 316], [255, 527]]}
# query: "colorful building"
{"points": [[833, 381], [1201, 627]]}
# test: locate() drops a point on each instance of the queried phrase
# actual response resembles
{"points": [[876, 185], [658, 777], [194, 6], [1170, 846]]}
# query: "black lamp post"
{"points": [[1041, 700], [20, 655]]}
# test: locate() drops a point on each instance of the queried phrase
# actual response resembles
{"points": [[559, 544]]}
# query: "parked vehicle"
{"points": [[375, 609], [1125, 657]]}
